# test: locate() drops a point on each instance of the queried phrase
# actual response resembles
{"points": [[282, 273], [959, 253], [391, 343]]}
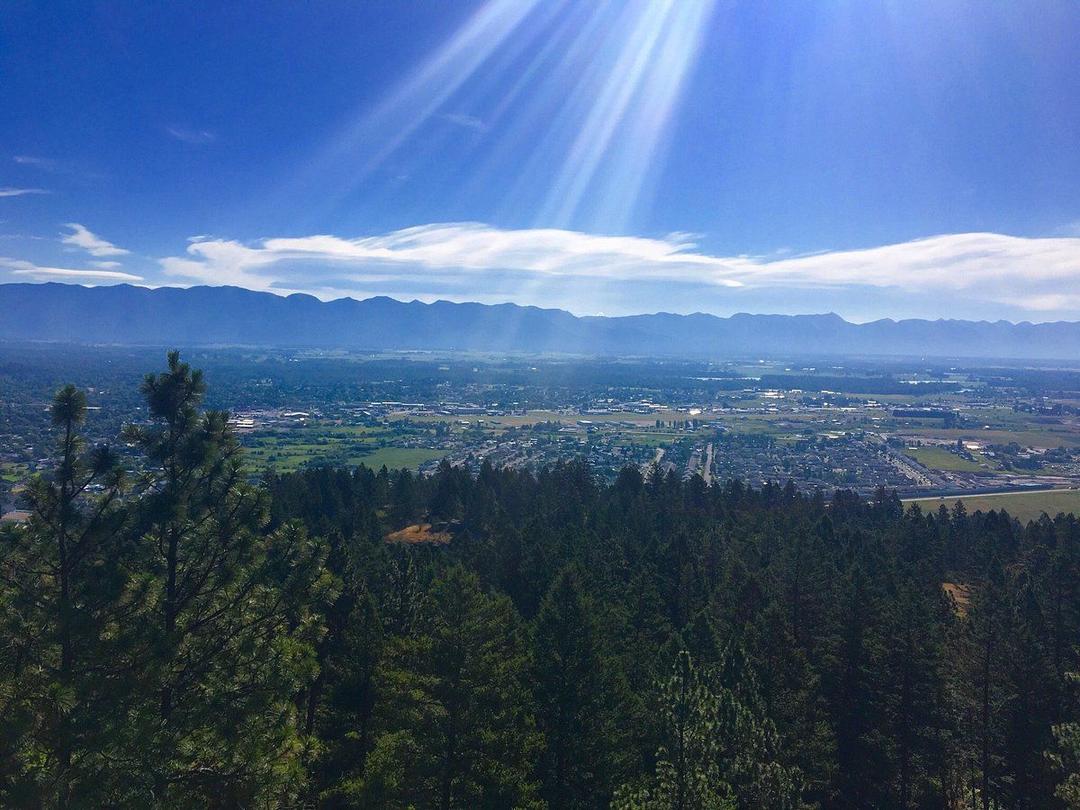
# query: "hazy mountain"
{"points": [[230, 315]]}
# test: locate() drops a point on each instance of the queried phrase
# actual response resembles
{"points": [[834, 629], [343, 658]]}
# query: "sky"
{"points": [[901, 158]]}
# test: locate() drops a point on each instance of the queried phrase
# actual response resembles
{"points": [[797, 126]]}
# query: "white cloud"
{"points": [[18, 267], [81, 237], [10, 191], [1049, 302], [455, 249], [994, 266], [1036, 274], [190, 135], [106, 265]]}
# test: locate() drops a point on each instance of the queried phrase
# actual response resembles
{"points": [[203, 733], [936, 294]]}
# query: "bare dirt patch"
{"points": [[959, 594], [419, 533]]}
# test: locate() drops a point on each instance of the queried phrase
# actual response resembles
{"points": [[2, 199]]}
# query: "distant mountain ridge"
{"points": [[125, 314]]}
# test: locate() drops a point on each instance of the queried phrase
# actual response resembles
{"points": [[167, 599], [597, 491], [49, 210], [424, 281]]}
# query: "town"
{"points": [[924, 432]]}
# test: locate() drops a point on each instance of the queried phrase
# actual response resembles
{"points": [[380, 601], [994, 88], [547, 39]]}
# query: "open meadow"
{"points": [[1022, 505]]}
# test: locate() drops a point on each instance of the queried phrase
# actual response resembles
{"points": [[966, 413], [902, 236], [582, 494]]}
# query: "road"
{"points": [[646, 468]]}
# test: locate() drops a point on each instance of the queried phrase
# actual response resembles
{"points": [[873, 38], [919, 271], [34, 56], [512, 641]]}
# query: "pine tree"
{"points": [[852, 687], [574, 695], [987, 688], [791, 695], [58, 593], [223, 640], [456, 725], [687, 773], [343, 719], [751, 752], [1065, 758], [916, 718], [404, 501], [1028, 714], [717, 752]]}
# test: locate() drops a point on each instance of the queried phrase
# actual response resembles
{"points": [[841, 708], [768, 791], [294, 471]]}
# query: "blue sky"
{"points": [[876, 159]]}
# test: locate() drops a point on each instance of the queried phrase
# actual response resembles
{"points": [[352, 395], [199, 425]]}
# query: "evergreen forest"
{"points": [[177, 634]]}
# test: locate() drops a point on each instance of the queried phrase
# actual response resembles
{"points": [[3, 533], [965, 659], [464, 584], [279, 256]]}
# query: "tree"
{"points": [[455, 719], [1028, 714], [853, 687], [790, 690], [915, 716], [343, 721], [58, 591], [717, 753], [404, 501], [988, 689], [223, 640], [1065, 757], [575, 696]]}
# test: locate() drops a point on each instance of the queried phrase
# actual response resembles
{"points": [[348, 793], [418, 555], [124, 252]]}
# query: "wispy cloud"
{"points": [[465, 121], [1034, 274], [10, 191], [19, 267], [61, 168], [191, 135], [45, 164], [83, 238]]}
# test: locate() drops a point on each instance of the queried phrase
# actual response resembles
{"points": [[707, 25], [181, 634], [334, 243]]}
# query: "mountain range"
{"points": [[125, 314]]}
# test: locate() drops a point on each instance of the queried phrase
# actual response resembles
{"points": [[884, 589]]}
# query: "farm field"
{"points": [[1022, 505], [399, 457], [1058, 436], [290, 449], [285, 455], [938, 458], [648, 439]]}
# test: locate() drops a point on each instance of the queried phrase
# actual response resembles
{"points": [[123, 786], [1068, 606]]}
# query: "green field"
{"points": [[12, 472], [340, 445], [643, 439], [938, 458], [1023, 505], [285, 456], [399, 457], [1032, 436]]}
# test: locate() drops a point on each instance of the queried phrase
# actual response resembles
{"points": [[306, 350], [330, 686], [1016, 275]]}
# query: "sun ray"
{"points": [[375, 134], [580, 96]]}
